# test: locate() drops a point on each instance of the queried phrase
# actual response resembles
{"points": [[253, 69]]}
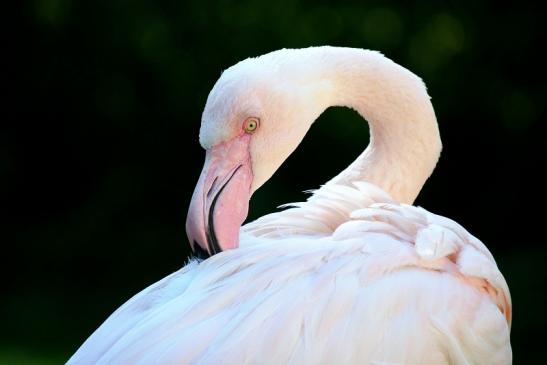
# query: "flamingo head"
{"points": [[255, 116]]}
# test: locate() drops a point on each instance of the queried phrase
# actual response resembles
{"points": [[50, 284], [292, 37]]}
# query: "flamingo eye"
{"points": [[251, 124]]}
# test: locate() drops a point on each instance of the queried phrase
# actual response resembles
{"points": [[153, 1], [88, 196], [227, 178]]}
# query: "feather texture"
{"points": [[386, 284]]}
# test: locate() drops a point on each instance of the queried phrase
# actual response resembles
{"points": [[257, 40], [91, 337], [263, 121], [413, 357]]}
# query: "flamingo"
{"points": [[353, 275]]}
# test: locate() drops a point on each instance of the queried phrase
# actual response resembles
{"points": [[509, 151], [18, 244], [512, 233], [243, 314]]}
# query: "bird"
{"points": [[355, 274]]}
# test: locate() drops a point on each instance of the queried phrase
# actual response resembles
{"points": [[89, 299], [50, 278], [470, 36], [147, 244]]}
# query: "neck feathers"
{"points": [[404, 137]]}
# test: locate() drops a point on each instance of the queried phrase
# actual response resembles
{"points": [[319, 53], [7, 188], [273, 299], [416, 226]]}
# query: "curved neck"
{"points": [[404, 138]]}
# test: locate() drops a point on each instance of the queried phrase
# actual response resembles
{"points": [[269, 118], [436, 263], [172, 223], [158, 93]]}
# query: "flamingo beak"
{"points": [[220, 201]]}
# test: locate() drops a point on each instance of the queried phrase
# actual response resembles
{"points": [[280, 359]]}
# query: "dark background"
{"points": [[95, 182]]}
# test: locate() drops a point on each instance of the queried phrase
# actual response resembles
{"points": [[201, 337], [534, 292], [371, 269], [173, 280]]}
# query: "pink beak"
{"points": [[220, 201]]}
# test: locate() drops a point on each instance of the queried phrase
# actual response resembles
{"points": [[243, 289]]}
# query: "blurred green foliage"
{"points": [[96, 182]]}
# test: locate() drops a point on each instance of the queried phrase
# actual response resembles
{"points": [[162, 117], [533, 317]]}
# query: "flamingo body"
{"points": [[351, 276]]}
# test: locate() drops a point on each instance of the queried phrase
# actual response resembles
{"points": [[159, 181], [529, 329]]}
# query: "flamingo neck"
{"points": [[404, 137]]}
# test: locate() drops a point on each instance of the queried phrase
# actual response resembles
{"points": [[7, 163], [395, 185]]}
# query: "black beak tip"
{"points": [[199, 252]]}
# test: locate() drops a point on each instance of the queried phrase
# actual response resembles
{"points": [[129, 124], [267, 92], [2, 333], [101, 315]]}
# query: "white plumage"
{"points": [[352, 276]]}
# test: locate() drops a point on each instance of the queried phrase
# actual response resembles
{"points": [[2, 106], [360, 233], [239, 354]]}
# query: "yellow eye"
{"points": [[251, 124]]}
